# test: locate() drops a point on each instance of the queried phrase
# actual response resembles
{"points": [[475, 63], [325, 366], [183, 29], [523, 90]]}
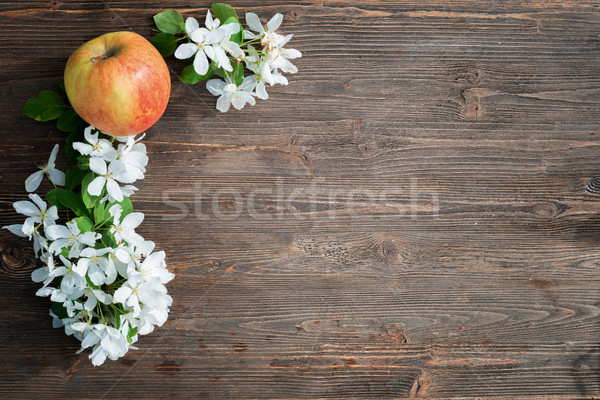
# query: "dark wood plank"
{"points": [[414, 216]]}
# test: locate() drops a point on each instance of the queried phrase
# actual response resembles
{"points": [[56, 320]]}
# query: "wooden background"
{"points": [[426, 217]]}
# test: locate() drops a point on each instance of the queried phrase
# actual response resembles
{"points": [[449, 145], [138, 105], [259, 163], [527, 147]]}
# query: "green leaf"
{"points": [[132, 332], [59, 310], [47, 106], [169, 21], [223, 11], [87, 198], [220, 72], [238, 73], [52, 198], [165, 43], [100, 214], [72, 154], [69, 121], [83, 162], [117, 311], [73, 201], [84, 224], [236, 37], [108, 240], [125, 204], [189, 74], [73, 178]]}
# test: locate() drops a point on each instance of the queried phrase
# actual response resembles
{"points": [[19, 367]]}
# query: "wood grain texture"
{"points": [[415, 216]]}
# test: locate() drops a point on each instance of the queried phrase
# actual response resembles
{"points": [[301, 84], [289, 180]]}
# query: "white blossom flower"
{"points": [[227, 46], [116, 172], [95, 263], [151, 293], [37, 213], [278, 57], [126, 191], [40, 244], [149, 317], [107, 341], [154, 266], [130, 257], [73, 306], [45, 274], [56, 177], [265, 35], [94, 296], [124, 230], [231, 93], [70, 236], [206, 43], [71, 285], [134, 158], [56, 295], [95, 147]]}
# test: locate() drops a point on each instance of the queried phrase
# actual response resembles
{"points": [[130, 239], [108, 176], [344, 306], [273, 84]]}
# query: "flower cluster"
{"points": [[106, 282], [223, 48]]}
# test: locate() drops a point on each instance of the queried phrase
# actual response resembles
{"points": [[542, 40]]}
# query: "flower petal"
{"points": [[52, 213], [15, 229], [114, 190], [230, 29], [122, 294], [41, 204], [26, 208], [249, 35], [191, 24], [208, 22], [274, 22], [235, 50], [98, 165], [238, 102], [223, 103], [29, 226], [91, 138], [88, 238], [133, 220], [95, 187], [186, 50], [90, 304], [261, 91], [199, 35], [39, 274], [253, 23], [33, 181], [96, 275], [215, 86], [83, 148], [201, 63], [222, 59], [290, 53], [57, 177], [53, 154]]}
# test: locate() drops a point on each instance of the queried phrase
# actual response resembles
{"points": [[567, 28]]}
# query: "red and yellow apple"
{"points": [[118, 83]]}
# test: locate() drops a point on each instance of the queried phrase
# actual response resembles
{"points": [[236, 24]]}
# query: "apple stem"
{"points": [[99, 58]]}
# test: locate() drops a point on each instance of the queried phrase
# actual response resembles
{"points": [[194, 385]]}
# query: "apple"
{"points": [[118, 83]]}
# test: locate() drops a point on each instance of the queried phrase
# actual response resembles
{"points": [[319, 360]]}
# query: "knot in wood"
{"points": [[14, 263], [593, 185]]}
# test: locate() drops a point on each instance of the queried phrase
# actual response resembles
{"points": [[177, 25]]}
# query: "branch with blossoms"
{"points": [[223, 48], [105, 281]]}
